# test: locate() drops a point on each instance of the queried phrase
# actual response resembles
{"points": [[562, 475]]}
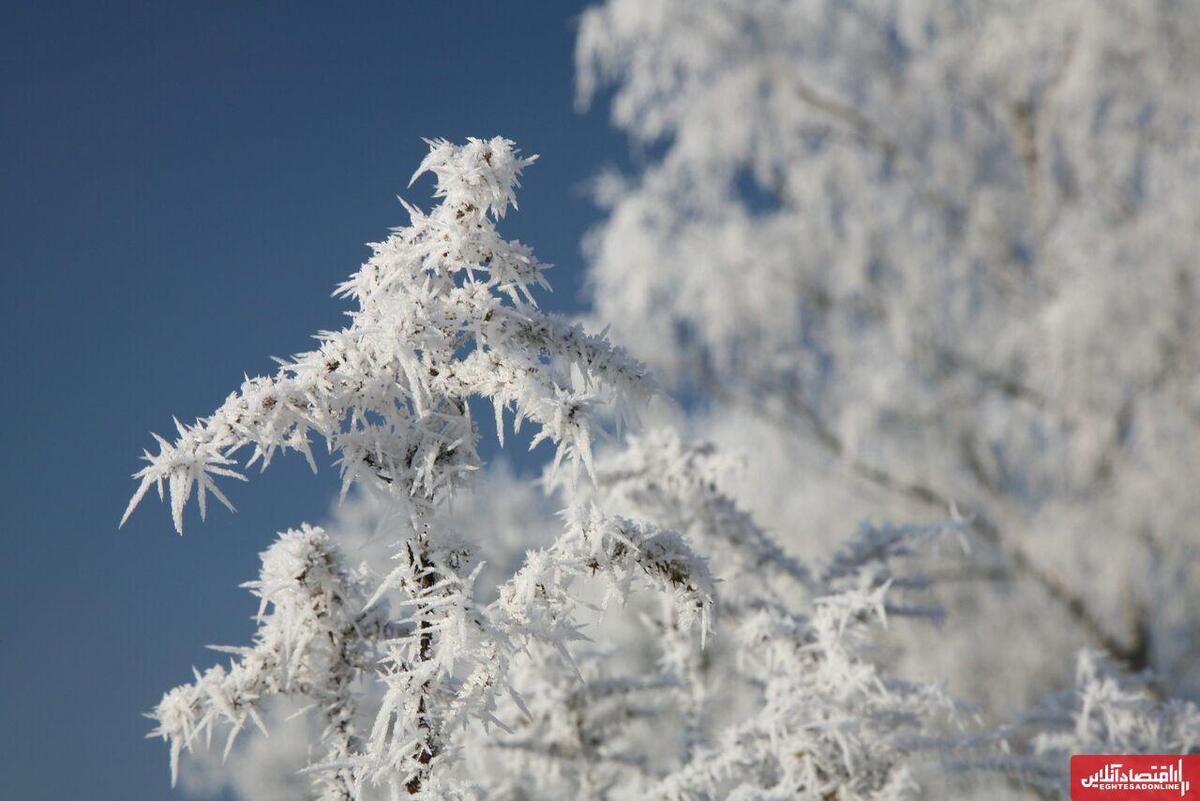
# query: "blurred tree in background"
{"points": [[933, 256]]}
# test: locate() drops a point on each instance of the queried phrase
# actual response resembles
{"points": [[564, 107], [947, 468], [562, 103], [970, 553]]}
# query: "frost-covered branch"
{"points": [[314, 641], [1108, 711], [445, 313]]}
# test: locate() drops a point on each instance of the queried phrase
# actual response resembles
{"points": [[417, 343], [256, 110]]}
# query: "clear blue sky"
{"points": [[181, 186]]}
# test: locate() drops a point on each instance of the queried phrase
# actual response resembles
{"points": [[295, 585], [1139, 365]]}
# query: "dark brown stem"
{"points": [[428, 747]]}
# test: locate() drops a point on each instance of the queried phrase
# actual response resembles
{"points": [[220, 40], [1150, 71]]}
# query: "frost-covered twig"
{"points": [[314, 640], [446, 313], [1108, 711]]}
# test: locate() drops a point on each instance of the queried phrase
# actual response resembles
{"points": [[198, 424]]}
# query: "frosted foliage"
{"points": [[1107, 712], [511, 514], [814, 717], [947, 248], [451, 638], [313, 641], [445, 313]]}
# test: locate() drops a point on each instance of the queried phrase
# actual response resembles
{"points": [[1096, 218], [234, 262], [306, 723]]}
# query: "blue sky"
{"points": [[181, 186]]}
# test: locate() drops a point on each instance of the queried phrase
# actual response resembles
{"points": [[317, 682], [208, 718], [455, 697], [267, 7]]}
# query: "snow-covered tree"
{"points": [[927, 256], [445, 315], [613, 660]]}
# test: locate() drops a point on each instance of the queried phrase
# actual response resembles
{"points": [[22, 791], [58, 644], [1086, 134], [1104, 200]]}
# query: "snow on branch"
{"points": [[658, 476], [314, 639], [445, 313], [1108, 711]]}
